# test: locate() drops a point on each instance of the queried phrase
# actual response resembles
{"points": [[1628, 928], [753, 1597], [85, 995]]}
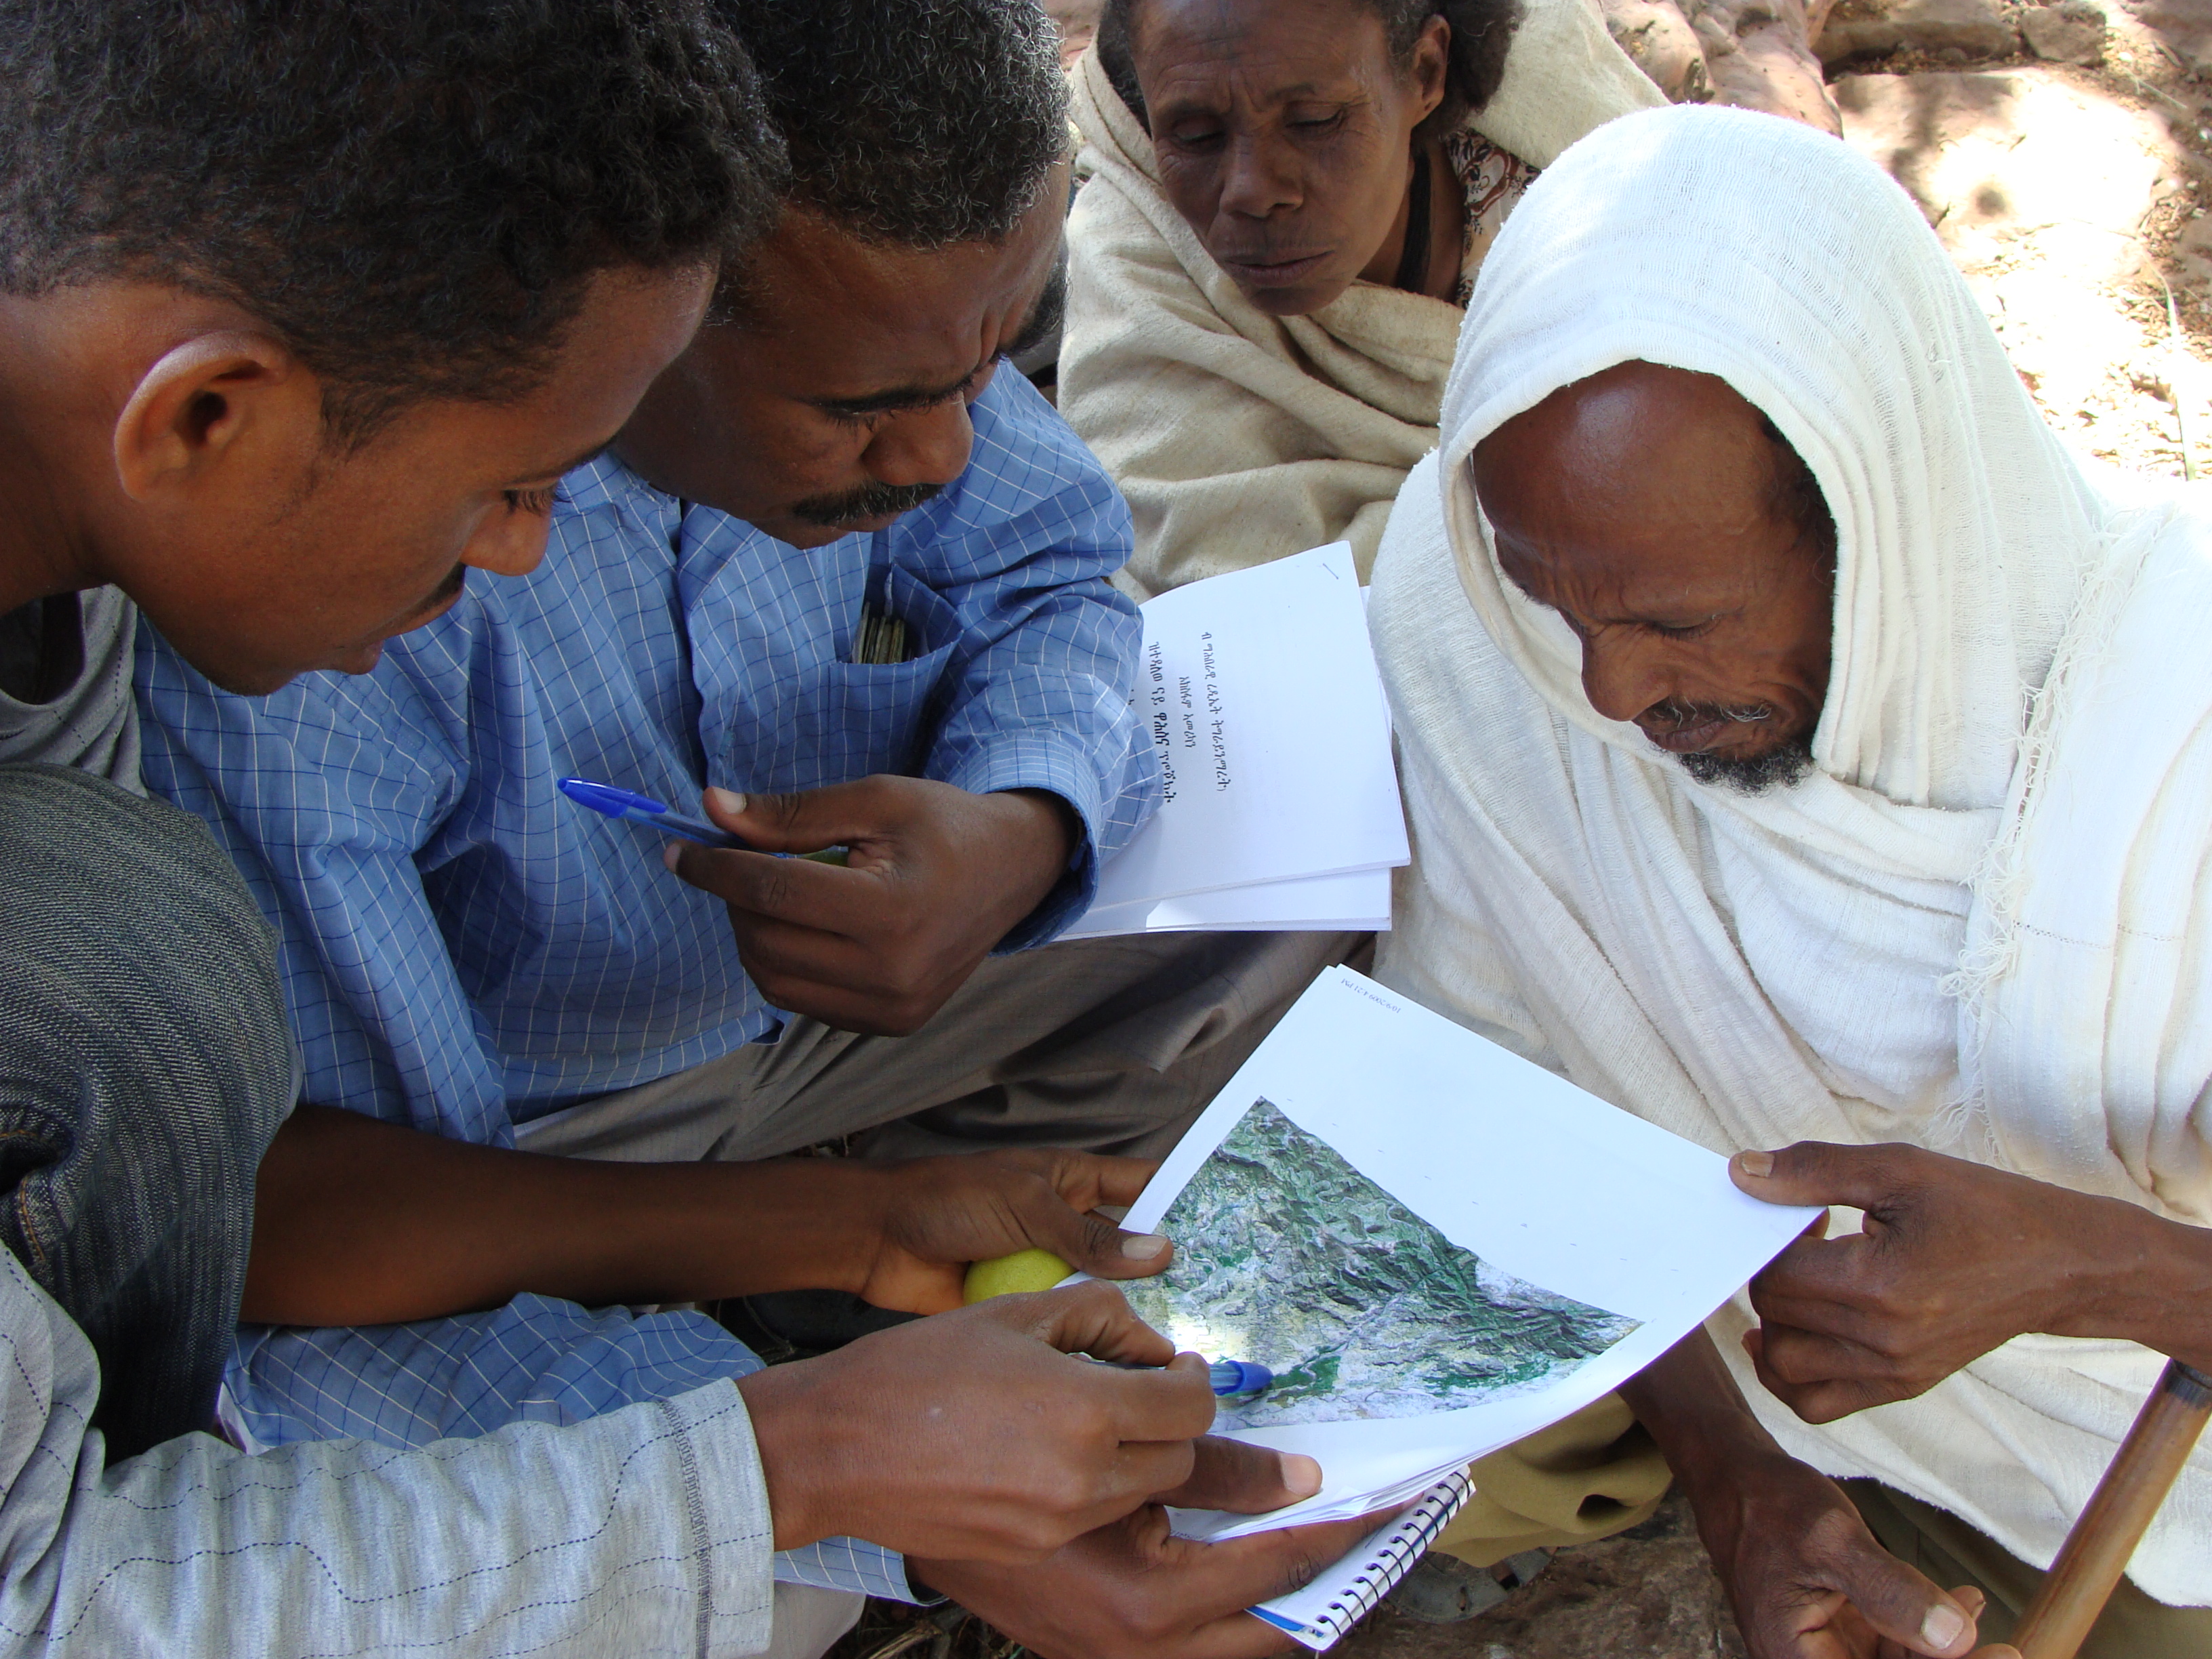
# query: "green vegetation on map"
{"points": [[1286, 1254]]}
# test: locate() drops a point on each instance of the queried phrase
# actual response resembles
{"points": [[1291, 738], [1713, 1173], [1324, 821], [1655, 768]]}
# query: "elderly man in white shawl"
{"points": [[1806, 754]]}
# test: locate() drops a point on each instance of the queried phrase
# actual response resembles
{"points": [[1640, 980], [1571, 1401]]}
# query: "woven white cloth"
{"points": [[1981, 924], [1239, 437]]}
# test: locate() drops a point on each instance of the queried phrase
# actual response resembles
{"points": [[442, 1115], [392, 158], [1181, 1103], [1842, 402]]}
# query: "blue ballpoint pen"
{"points": [[629, 804], [643, 809], [1226, 1376], [1231, 1376]]}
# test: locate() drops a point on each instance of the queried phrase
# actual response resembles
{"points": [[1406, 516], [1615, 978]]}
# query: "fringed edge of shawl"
{"points": [[2000, 878]]}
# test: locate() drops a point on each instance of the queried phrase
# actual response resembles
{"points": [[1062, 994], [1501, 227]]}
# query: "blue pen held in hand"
{"points": [[1233, 1376], [1227, 1376], [643, 809], [634, 808]]}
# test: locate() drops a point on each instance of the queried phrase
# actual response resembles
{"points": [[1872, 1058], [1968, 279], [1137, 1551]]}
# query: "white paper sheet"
{"points": [[1261, 691], [1534, 1176], [1359, 901]]}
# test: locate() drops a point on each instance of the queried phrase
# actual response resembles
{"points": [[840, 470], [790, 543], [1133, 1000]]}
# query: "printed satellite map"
{"points": [[1287, 1256]]}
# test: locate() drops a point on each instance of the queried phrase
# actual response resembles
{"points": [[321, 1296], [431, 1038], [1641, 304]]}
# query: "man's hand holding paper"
{"points": [[1955, 1259]]}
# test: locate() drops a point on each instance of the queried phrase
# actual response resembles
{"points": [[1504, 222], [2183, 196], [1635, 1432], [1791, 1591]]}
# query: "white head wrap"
{"points": [[1981, 923], [1962, 525]]}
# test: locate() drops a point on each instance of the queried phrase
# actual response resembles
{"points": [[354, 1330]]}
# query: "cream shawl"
{"points": [[1982, 923], [1239, 438]]}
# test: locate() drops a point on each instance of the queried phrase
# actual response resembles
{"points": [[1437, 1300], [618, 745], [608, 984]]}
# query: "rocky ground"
{"points": [[2063, 154], [2072, 194]]}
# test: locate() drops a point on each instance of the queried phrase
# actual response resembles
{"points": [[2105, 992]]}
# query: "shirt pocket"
{"points": [[832, 721]]}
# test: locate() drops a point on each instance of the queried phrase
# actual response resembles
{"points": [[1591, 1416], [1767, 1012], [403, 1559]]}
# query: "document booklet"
{"points": [[1339, 1598], [1436, 1247], [1279, 803]]}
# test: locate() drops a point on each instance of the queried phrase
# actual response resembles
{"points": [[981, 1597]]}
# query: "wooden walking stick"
{"points": [[2118, 1512]]}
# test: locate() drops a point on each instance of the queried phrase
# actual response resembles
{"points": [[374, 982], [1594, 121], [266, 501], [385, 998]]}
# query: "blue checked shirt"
{"points": [[464, 949]]}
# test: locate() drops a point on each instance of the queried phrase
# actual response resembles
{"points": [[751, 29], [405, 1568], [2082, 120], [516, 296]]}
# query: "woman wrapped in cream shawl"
{"points": [[1981, 923], [1239, 436]]}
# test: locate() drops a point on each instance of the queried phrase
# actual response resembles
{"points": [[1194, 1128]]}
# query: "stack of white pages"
{"points": [[1279, 804], [1436, 1247]]}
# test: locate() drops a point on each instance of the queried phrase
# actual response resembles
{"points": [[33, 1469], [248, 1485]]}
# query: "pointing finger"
{"points": [[1822, 1284]]}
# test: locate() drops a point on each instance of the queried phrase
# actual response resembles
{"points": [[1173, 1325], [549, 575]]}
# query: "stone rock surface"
{"points": [[1649, 1594], [1869, 28], [2047, 190], [2010, 161], [2073, 33], [2194, 251], [2183, 26], [1078, 20], [1759, 56], [1659, 38]]}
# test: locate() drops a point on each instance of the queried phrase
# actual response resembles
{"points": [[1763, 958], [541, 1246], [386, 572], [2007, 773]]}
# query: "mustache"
{"points": [[1676, 715], [877, 501]]}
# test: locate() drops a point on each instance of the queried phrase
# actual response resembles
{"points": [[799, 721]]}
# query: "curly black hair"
{"points": [[1481, 31], [919, 122], [413, 194]]}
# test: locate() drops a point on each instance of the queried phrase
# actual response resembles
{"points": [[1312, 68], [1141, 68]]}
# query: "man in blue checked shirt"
{"points": [[483, 967], [278, 426]]}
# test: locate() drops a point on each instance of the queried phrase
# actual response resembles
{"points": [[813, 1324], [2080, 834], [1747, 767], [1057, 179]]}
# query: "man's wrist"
{"points": [[1060, 828], [792, 1445], [2145, 1278], [827, 1216], [1689, 1403], [859, 1196]]}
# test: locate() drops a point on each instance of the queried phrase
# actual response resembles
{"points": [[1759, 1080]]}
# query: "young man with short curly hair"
{"points": [[305, 312]]}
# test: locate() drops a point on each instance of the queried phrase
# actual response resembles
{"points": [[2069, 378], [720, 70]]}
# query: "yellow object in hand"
{"points": [[1007, 1275]]}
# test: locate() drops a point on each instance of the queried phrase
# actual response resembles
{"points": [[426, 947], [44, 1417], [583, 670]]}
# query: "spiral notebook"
{"points": [[1340, 1597]]}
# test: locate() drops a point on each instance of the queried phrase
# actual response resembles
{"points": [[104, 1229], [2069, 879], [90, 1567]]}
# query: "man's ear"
{"points": [[207, 402], [1432, 62]]}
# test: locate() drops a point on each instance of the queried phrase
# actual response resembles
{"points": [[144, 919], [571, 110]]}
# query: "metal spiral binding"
{"points": [[1398, 1553]]}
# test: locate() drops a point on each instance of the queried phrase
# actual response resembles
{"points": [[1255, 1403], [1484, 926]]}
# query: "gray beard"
{"points": [[1778, 769]]}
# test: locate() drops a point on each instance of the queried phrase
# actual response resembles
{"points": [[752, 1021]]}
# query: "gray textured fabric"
{"points": [[65, 685], [1111, 1045], [643, 1533], [145, 1064], [809, 1619]]}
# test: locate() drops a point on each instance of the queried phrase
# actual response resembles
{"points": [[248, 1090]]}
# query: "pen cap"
{"points": [[1238, 1376], [605, 798]]}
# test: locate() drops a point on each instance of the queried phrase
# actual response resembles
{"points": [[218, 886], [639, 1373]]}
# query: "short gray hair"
{"points": [[920, 122]]}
